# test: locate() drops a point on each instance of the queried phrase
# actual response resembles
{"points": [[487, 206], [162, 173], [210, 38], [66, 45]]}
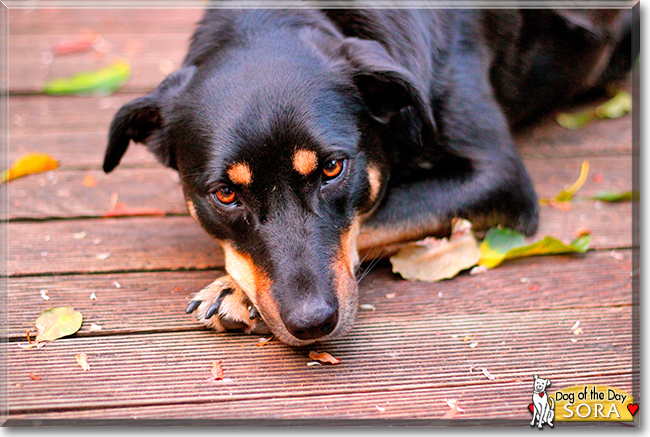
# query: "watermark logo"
{"points": [[543, 406], [581, 403]]}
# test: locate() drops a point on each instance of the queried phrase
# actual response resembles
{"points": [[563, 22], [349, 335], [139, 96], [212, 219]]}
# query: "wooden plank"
{"points": [[178, 243], [62, 193], [600, 137], [38, 114], [152, 56], [105, 20], [505, 401], [172, 243], [155, 302], [413, 352], [75, 149]]}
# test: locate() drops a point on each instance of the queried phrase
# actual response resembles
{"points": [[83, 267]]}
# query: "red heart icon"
{"points": [[632, 408], [531, 408], [541, 395]]}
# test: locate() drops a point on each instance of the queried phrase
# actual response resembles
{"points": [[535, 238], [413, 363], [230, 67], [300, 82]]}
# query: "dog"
{"points": [[543, 412], [304, 138]]}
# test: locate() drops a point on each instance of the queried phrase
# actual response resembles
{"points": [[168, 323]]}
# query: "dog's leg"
{"points": [[223, 306], [483, 179]]}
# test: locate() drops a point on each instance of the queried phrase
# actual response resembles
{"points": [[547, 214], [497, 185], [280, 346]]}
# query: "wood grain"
{"points": [[413, 352], [155, 302]]}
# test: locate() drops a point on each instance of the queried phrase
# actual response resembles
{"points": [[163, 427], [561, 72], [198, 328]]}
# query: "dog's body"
{"points": [[543, 411], [304, 137]]}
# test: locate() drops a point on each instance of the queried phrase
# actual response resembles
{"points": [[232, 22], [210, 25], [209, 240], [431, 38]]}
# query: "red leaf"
{"points": [[323, 357]]}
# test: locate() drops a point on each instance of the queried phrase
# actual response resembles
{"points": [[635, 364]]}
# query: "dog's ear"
{"points": [[535, 376], [548, 382], [142, 119], [388, 89]]}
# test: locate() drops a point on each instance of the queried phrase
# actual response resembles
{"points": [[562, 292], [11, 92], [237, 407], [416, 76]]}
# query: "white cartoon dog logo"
{"points": [[544, 412]]}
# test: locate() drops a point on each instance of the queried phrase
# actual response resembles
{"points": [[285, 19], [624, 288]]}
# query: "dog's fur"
{"points": [[415, 105], [543, 411]]}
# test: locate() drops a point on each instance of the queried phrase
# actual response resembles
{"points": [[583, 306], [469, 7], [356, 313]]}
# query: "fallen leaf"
{"points": [[483, 370], [103, 256], [121, 210], [367, 306], [615, 196], [616, 107], [313, 363], [434, 259], [89, 181], [262, 341], [217, 371], [29, 164], [323, 357], [454, 409], [501, 244], [582, 231], [83, 43], [56, 323], [560, 200], [473, 345], [82, 360], [34, 377], [103, 81]]}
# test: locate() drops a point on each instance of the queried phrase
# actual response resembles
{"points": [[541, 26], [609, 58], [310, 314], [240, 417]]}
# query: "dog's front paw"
{"points": [[223, 306]]}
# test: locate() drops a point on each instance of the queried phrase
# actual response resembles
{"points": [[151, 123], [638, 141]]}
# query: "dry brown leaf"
{"points": [[435, 259], [262, 341], [454, 409], [82, 360], [323, 357], [89, 181], [217, 371]]}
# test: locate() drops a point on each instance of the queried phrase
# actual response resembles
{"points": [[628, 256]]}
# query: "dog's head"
{"points": [[541, 384], [278, 143]]}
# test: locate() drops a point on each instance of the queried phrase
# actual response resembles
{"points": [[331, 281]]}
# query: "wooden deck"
{"points": [[150, 362]]}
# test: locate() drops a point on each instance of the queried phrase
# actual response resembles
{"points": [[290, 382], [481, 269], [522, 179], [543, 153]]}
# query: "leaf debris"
{"points": [[454, 409], [323, 357], [29, 163], [82, 360], [217, 371]]}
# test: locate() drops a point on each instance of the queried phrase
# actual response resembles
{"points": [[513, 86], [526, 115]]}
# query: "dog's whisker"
{"points": [[373, 263]]}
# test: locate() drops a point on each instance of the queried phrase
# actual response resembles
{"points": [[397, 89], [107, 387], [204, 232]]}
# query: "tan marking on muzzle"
{"points": [[192, 209], [240, 174], [345, 282], [305, 161]]}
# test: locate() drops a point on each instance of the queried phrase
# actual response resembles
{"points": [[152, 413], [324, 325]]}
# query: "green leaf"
{"points": [[501, 244], [613, 196], [436, 259], [616, 107], [56, 323], [104, 81]]}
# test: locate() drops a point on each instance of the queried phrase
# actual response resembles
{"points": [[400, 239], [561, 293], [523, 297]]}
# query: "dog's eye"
{"points": [[332, 169], [225, 195]]}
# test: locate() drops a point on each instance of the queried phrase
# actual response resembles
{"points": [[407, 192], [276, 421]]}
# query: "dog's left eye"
{"points": [[332, 169], [225, 195]]}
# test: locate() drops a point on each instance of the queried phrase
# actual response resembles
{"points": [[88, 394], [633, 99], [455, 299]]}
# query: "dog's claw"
{"points": [[214, 309], [193, 306]]}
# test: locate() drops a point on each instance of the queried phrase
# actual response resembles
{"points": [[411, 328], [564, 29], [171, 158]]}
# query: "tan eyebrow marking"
{"points": [[240, 174], [305, 161]]}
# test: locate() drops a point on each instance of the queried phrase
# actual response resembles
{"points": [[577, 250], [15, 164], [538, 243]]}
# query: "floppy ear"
{"points": [[142, 119], [390, 91]]}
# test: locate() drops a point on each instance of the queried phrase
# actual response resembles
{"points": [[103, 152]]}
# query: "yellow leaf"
{"points": [[28, 164], [56, 323]]}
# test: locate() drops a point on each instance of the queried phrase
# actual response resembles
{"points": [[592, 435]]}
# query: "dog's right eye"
{"points": [[225, 195]]}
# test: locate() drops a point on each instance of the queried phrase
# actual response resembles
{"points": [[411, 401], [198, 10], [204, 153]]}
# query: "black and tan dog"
{"points": [[304, 137]]}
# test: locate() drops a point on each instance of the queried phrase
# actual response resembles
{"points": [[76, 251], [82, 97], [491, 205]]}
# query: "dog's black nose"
{"points": [[309, 322]]}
